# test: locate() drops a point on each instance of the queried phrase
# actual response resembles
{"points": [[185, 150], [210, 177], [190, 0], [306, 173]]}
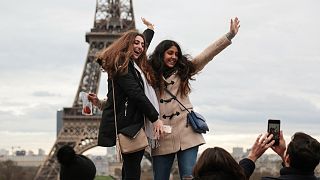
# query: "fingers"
{"points": [[269, 141], [158, 131], [158, 128], [265, 141], [143, 20], [234, 25], [92, 97], [146, 22], [281, 134], [258, 138]]}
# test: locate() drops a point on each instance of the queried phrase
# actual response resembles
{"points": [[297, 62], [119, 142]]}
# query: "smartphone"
{"points": [[274, 128], [167, 129]]}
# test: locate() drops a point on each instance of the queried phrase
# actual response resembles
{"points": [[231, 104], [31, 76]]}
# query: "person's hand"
{"points": [[234, 26], [158, 128], [94, 99], [147, 23], [260, 146], [281, 148]]}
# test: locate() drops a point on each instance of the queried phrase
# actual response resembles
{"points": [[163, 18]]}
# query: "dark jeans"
{"points": [[131, 168]]}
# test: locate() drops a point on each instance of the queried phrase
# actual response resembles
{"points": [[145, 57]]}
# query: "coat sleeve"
{"points": [[148, 34], [210, 52], [130, 85], [248, 166]]}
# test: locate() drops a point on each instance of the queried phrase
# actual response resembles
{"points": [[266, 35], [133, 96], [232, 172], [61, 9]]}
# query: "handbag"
{"points": [[196, 120], [135, 144], [125, 143]]}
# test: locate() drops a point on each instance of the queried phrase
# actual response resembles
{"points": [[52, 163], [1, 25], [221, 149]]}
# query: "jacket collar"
{"points": [[136, 73], [293, 171]]}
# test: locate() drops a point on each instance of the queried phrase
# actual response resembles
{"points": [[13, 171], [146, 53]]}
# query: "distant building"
{"points": [[26, 161], [115, 169], [111, 151], [41, 152], [20, 153], [237, 152], [101, 164], [4, 152], [30, 153]]}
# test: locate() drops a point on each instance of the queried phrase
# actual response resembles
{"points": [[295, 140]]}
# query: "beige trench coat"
{"points": [[183, 137]]}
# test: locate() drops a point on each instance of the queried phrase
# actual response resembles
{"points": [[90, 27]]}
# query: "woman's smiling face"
{"points": [[171, 56], [138, 47]]}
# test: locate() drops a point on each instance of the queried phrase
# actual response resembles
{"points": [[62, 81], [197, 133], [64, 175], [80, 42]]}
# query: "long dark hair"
{"points": [[218, 163], [115, 58], [184, 66]]}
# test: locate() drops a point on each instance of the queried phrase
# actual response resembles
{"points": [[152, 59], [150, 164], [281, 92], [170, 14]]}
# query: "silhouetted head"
{"points": [[66, 155], [75, 166], [216, 163], [303, 152]]}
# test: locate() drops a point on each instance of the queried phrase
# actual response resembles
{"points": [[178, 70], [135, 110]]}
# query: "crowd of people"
{"points": [[142, 93]]}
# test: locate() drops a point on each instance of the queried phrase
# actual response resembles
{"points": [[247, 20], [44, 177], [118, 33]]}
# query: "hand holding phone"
{"points": [[274, 128]]}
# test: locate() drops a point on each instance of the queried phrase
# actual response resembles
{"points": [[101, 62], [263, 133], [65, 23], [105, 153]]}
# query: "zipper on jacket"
{"points": [[125, 107]]}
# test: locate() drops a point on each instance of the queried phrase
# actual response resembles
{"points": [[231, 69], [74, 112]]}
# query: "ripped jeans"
{"points": [[186, 160]]}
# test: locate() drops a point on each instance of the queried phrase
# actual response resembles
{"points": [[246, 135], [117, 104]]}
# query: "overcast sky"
{"points": [[271, 70]]}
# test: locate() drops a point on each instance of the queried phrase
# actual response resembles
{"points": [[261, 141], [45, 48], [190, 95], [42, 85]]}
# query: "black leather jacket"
{"points": [[131, 106]]}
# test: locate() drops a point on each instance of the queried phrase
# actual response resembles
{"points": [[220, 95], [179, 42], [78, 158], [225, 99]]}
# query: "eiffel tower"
{"points": [[112, 18]]}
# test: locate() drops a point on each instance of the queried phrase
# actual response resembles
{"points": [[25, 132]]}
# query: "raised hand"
{"points": [[147, 23], [234, 26], [260, 146], [281, 149]]}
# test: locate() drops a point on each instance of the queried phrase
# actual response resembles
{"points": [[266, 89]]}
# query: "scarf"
{"points": [[151, 94]]}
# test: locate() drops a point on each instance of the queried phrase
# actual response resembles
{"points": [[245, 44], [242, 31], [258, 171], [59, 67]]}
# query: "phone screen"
{"points": [[274, 128]]}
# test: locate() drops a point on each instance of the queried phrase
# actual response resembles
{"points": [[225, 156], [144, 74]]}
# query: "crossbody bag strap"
{"points": [[115, 123], [175, 98], [114, 109]]}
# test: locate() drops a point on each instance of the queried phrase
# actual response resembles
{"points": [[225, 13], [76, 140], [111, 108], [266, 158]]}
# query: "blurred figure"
{"points": [[300, 158], [75, 166], [216, 163]]}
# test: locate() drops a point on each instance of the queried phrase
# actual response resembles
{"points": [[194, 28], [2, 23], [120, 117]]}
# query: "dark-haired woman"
{"points": [[173, 70], [216, 163]]}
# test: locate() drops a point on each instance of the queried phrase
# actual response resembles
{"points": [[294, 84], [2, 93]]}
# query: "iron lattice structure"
{"points": [[112, 18]]}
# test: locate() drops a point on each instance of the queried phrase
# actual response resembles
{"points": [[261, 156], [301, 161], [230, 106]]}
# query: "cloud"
{"points": [[44, 94], [39, 118]]}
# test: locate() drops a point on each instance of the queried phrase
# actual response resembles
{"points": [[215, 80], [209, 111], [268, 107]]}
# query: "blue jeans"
{"points": [[186, 160]]}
